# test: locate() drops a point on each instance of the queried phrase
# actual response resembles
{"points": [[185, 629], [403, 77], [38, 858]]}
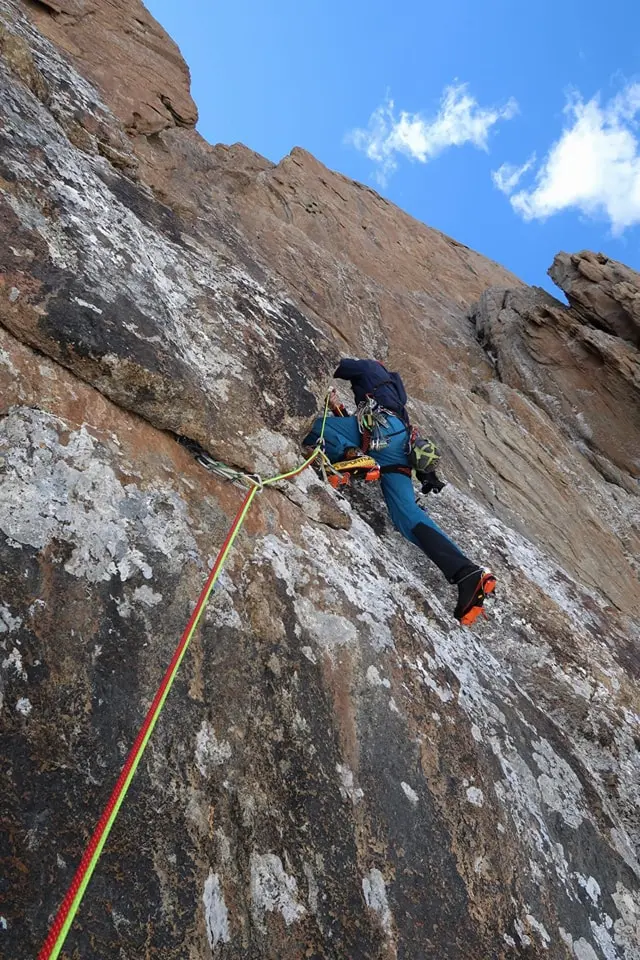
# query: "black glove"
{"points": [[431, 483]]}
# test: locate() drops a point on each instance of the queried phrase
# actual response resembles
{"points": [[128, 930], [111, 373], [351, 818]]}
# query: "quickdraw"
{"points": [[372, 420]]}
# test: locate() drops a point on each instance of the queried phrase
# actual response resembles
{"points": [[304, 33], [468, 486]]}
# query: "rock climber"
{"points": [[381, 429]]}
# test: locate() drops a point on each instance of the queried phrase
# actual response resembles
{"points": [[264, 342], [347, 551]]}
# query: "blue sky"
{"points": [[513, 127]]}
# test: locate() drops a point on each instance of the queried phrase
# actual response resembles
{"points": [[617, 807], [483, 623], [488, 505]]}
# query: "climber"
{"points": [[381, 429]]}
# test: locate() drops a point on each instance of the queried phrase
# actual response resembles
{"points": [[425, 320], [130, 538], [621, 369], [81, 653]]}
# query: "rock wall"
{"points": [[340, 770]]}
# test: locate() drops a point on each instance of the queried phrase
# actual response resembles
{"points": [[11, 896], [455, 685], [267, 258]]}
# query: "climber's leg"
{"points": [[416, 525], [340, 433]]}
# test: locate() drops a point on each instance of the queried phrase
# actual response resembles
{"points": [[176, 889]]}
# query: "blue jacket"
{"points": [[370, 378]]}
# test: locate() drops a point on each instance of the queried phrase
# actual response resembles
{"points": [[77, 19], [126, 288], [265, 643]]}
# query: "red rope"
{"points": [[119, 790]]}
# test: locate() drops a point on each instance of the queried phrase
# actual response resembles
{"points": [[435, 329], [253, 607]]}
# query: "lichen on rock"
{"points": [[340, 769]]}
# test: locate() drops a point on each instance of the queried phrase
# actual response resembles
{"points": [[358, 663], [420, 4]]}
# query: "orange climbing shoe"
{"points": [[338, 479], [359, 465], [473, 589]]}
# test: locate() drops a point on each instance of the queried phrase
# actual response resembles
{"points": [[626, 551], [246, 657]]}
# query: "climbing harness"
{"points": [[372, 420], [73, 898]]}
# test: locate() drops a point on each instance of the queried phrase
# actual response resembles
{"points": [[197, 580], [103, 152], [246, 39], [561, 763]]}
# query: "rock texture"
{"points": [[138, 68], [340, 771], [586, 380], [603, 291]]}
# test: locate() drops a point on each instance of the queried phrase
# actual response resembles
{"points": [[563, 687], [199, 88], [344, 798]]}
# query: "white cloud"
{"points": [[594, 167], [508, 176], [460, 119]]}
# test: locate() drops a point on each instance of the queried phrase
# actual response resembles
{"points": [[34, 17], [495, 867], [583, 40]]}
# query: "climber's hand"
{"points": [[338, 409], [431, 483]]}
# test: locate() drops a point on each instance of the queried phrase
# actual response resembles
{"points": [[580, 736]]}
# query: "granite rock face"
{"points": [[119, 46], [585, 379], [340, 769], [606, 293]]}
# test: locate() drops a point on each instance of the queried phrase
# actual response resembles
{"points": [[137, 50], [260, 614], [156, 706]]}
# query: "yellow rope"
{"points": [[64, 917]]}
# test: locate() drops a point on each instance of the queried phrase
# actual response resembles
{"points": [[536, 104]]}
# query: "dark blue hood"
{"points": [[371, 378]]}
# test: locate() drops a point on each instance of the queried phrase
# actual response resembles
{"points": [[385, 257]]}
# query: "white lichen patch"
{"points": [[350, 585], [540, 929], [560, 788], [299, 724], [24, 706], [329, 630], [375, 897], [273, 452], [210, 752], [70, 492], [6, 361], [348, 789], [216, 915], [627, 926], [119, 920], [146, 596], [475, 796], [223, 845], [375, 680], [621, 844], [591, 887], [521, 930], [381, 635], [197, 812], [221, 608], [8, 623], [443, 693], [566, 938], [273, 890], [13, 663], [602, 934], [409, 793], [583, 950]]}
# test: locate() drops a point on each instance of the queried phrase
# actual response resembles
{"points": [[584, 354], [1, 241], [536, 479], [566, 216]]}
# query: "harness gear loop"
{"points": [[372, 419]]}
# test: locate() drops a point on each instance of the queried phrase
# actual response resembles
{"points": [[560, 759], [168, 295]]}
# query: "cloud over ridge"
{"points": [[460, 120], [593, 167]]}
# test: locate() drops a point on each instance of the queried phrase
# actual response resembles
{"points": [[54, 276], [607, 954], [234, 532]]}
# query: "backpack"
{"points": [[423, 454]]}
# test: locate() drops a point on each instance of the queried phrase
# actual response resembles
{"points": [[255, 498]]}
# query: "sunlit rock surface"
{"points": [[340, 770]]}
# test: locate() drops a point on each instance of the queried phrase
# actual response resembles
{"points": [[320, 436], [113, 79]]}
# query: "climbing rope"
{"points": [[73, 898]]}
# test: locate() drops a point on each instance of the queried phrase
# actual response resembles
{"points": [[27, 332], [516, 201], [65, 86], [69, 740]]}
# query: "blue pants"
{"points": [[411, 520]]}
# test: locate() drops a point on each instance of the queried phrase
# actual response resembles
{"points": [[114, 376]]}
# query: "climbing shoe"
{"points": [[336, 480], [473, 588]]}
